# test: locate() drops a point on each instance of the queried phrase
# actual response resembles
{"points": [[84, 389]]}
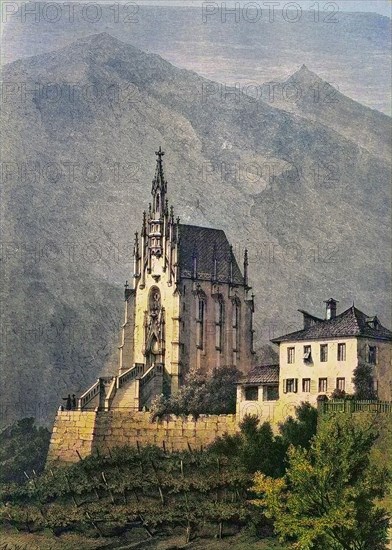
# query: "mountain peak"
{"points": [[304, 75], [103, 39]]}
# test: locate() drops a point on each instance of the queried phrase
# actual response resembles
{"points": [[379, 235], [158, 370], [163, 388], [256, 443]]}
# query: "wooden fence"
{"points": [[352, 406]]}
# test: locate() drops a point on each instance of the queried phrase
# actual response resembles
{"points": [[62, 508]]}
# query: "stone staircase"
{"points": [[133, 389]]}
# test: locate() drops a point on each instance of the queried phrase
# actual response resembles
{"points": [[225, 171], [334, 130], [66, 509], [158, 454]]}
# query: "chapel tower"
{"points": [[188, 306]]}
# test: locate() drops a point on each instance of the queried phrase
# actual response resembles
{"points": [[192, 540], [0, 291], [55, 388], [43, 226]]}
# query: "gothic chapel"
{"points": [[189, 306]]}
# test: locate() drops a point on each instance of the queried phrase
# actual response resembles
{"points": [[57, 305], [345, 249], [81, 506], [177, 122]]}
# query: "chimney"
{"points": [[330, 308]]}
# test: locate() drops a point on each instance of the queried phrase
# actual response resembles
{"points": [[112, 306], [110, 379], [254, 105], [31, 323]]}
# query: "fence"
{"points": [[352, 406]]}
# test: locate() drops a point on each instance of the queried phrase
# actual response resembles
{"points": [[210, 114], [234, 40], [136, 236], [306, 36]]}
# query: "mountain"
{"points": [[255, 44], [82, 123], [308, 95]]}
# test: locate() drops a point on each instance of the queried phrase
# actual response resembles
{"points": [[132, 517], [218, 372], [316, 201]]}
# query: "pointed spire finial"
{"points": [[246, 263], [246, 260], [159, 154]]}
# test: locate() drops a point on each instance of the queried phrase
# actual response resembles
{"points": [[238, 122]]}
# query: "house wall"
{"points": [[331, 369], [267, 411], [383, 367]]}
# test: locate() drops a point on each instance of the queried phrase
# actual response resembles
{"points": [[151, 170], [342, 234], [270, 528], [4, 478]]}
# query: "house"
{"points": [[258, 391], [320, 359]]}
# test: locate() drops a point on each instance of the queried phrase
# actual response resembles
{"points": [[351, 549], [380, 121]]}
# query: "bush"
{"points": [[201, 394]]}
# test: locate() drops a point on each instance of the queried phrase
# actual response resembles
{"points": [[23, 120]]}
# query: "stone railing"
{"points": [[150, 385], [110, 394], [134, 372], [89, 395]]}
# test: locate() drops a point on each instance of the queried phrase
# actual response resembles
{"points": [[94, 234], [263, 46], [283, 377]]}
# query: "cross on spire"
{"points": [[159, 154]]}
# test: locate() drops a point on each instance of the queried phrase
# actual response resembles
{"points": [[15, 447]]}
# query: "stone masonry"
{"points": [[77, 434]]}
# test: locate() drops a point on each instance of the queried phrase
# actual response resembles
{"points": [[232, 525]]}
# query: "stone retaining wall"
{"points": [[88, 431], [73, 433]]}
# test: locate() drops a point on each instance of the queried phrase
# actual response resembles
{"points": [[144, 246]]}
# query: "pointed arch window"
{"points": [[236, 324], [157, 203], [219, 321], [200, 320]]}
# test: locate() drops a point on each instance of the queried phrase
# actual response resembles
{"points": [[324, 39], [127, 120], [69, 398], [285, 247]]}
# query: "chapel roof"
{"points": [[207, 245]]}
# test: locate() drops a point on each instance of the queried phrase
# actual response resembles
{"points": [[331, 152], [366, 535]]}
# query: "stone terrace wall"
{"points": [[86, 432], [73, 432]]}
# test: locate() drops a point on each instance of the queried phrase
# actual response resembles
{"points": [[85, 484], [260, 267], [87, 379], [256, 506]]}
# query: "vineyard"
{"points": [[251, 484], [133, 488]]}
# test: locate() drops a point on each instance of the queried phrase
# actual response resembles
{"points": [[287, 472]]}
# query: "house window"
{"points": [[236, 326], [323, 353], [271, 393], [251, 393], [306, 385], [340, 384], [372, 355], [322, 385], [290, 385], [307, 353], [341, 352], [200, 323], [290, 355], [219, 325]]}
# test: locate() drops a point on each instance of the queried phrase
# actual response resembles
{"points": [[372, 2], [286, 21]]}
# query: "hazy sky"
{"points": [[384, 7]]}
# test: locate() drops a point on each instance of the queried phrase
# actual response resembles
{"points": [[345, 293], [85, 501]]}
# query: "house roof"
{"points": [[263, 374], [351, 322], [207, 245]]}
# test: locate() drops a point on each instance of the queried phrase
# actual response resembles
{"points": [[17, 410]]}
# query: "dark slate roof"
{"points": [[204, 243], [263, 374], [351, 322]]}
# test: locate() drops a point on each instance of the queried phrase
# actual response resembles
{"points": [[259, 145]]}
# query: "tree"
{"points": [[363, 381], [300, 430], [23, 448], [326, 499]]}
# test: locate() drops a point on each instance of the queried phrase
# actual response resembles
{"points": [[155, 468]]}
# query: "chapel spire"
{"points": [[159, 187]]}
